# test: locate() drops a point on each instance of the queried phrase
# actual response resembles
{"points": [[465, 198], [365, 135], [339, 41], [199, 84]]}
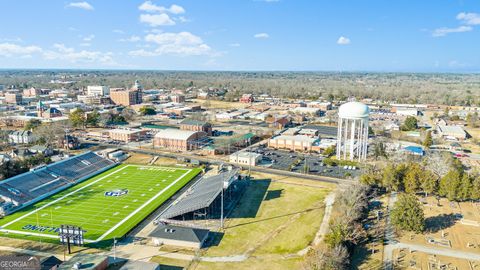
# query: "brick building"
{"points": [[195, 125], [179, 140]]}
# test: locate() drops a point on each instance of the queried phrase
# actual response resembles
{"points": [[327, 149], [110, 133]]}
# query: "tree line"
{"points": [[14, 167], [345, 231], [411, 177]]}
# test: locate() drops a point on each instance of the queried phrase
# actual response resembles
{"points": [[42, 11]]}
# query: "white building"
{"points": [[404, 111], [21, 137], [246, 158], [452, 132], [98, 90], [352, 138]]}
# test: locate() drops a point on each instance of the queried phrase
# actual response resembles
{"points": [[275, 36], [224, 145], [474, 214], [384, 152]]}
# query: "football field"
{"points": [[105, 206]]}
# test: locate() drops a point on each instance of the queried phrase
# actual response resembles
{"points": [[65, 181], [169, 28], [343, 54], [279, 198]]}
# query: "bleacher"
{"points": [[199, 195], [29, 187]]}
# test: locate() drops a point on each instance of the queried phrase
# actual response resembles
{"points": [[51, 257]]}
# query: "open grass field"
{"points": [[105, 206], [276, 218]]}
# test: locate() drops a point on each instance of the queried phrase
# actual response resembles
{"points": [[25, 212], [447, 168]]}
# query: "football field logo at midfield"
{"points": [[116, 193]]}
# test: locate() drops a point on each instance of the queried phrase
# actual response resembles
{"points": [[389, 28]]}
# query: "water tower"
{"points": [[352, 138]]}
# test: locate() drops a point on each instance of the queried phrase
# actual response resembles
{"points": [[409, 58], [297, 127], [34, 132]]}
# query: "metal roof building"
{"points": [[173, 235]]}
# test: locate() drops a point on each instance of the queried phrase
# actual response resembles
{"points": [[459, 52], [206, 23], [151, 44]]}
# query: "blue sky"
{"points": [[318, 35]]}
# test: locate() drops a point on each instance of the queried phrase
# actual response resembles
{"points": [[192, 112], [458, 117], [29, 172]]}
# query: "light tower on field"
{"points": [[352, 138]]}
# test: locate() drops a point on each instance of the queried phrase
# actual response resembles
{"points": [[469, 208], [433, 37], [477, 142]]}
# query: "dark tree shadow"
{"points": [[440, 222]]}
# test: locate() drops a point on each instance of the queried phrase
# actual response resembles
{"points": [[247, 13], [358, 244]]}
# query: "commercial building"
{"points": [[292, 142], [126, 97], [246, 158], [406, 111], [98, 90], [452, 132], [307, 111], [195, 125], [178, 98], [126, 135], [179, 140], [13, 98], [31, 92]]}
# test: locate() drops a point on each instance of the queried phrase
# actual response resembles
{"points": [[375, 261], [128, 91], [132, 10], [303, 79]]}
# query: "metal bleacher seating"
{"points": [[31, 186]]}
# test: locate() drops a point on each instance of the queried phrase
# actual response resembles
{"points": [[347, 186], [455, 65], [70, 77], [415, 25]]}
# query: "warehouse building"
{"points": [[452, 132], [179, 140]]}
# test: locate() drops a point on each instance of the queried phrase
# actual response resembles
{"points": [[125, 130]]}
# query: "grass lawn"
{"points": [[167, 263], [105, 206], [273, 218], [255, 264]]}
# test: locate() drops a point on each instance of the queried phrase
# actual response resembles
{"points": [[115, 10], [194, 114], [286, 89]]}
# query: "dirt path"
{"points": [[389, 235]]}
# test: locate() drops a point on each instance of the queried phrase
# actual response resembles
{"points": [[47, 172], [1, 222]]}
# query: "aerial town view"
{"points": [[239, 134]]}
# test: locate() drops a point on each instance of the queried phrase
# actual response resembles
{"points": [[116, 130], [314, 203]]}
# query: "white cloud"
{"points": [[130, 39], [261, 35], [64, 53], [88, 38], [441, 32], [343, 41], [85, 44], [15, 39], [118, 31], [10, 49], [82, 5], [469, 18], [235, 45], [148, 6], [156, 20], [180, 44]]}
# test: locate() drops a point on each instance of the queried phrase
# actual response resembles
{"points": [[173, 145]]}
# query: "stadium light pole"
{"points": [[221, 205]]}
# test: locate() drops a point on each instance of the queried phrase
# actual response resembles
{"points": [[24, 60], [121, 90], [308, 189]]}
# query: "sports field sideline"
{"points": [[105, 206]]}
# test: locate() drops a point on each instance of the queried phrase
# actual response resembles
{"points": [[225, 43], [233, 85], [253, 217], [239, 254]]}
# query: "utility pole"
{"points": [[221, 205], [114, 250]]}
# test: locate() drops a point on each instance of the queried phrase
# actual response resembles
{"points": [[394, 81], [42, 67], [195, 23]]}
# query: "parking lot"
{"points": [[302, 163]]}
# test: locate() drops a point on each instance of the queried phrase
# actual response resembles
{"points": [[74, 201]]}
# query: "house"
{"points": [[246, 98], [21, 153], [50, 263], [41, 149], [85, 261], [392, 127], [171, 235], [278, 122], [21, 137], [4, 158]]}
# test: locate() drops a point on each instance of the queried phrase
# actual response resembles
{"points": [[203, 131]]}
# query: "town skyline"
{"points": [[242, 36]]}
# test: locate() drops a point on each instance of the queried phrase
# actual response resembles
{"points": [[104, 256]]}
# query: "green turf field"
{"points": [[105, 206]]}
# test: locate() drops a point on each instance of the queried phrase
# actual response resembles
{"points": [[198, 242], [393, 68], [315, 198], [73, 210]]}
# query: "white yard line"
{"points": [[39, 234], [59, 199], [2, 228], [142, 206]]}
